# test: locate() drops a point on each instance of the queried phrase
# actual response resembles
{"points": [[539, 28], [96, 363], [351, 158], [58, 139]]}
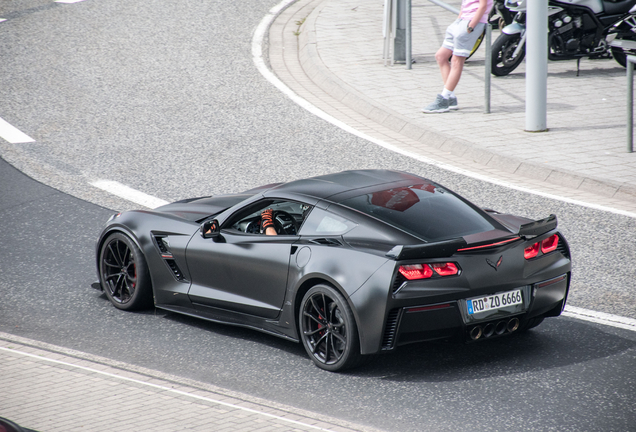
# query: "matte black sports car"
{"points": [[363, 261]]}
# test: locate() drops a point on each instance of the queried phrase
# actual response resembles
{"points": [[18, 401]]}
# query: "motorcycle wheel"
{"points": [[502, 50]]}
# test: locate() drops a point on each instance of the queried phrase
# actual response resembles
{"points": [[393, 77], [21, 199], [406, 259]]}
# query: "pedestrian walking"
{"points": [[460, 39]]}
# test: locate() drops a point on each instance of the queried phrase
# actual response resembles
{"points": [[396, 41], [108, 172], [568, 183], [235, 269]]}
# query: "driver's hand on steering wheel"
{"points": [[267, 222]]}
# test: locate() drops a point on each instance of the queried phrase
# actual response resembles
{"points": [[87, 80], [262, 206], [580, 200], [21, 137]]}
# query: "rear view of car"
{"points": [[475, 275]]}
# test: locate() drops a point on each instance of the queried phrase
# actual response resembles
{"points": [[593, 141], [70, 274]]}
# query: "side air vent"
{"points": [[176, 271], [397, 283], [326, 242], [390, 331], [562, 247], [162, 246]]}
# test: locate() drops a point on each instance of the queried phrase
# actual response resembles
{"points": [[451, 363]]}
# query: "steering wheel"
{"points": [[284, 223]]}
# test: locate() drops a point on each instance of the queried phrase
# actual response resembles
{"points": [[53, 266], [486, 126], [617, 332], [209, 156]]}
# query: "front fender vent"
{"points": [[176, 271]]}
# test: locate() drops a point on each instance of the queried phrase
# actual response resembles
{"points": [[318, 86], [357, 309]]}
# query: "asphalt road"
{"points": [[164, 97]]}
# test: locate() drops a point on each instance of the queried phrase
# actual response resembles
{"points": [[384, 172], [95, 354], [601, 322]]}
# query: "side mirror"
{"points": [[210, 229]]}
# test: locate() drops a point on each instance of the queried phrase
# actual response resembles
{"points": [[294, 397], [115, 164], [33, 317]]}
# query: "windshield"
{"points": [[424, 210]]}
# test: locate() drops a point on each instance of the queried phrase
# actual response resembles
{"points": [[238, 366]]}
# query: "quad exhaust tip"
{"points": [[497, 328]]}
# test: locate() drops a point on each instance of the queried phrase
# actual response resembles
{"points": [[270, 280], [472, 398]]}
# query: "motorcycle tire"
{"points": [[502, 50]]}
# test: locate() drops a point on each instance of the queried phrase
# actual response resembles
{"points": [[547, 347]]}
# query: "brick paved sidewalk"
{"points": [[49, 389], [329, 52]]}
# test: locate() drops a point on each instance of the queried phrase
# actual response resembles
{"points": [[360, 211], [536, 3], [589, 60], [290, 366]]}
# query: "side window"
{"points": [[321, 222], [288, 217]]}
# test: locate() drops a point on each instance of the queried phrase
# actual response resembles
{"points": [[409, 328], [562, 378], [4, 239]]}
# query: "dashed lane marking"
{"points": [[12, 134], [129, 194]]}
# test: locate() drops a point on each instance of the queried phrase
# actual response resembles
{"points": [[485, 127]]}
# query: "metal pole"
{"points": [[488, 67], [394, 25], [536, 65], [445, 6], [408, 35], [630, 103], [388, 7]]}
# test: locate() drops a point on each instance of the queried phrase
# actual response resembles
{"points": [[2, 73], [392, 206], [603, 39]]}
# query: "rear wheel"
{"points": [[123, 273], [502, 50], [328, 329]]}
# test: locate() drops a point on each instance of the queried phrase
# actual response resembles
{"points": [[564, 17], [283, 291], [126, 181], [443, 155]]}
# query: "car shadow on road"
{"points": [[556, 343]]}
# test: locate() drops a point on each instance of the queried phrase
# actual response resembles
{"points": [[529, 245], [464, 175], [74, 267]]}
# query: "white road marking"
{"points": [[257, 56], [600, 318], [129, 194], [68, 1], [2, 19], [12, 134], [163, 388]]}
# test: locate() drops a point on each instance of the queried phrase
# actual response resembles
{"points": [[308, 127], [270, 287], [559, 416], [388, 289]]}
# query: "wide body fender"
{"points": [[146, 229], [362, 278]]}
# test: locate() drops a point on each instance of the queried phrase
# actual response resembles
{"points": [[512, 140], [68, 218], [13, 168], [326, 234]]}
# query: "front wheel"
{"points": [[123, 273], [502, 61], [328, 329]]}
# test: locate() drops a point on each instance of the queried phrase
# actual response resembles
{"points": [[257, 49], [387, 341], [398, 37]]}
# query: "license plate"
{"points": [[493, 302]]}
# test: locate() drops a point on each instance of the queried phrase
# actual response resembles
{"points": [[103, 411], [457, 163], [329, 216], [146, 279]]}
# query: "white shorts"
{"points": [[458, 40]]}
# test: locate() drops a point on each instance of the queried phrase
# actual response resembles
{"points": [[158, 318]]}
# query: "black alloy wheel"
{"points": [[123, 273], [502, 51], [328, 329]]}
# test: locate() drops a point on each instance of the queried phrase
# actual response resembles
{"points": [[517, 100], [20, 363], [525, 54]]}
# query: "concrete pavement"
{"points": [[329, 52], [47, 388]]}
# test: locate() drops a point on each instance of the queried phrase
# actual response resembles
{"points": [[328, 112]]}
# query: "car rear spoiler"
{"points": [[533, 229], [447, 248], [428, 250]]}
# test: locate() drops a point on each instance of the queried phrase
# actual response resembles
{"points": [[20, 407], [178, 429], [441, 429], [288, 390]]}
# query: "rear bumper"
{"points": [[450, 320]]}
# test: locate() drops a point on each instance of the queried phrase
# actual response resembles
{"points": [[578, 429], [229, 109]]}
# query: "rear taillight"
{"points": [[445, 269], [550, 244], [545, 246], [531, 252], [416, 271], [425, 271]]}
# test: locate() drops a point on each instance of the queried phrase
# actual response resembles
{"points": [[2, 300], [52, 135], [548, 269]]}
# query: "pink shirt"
{"points": [[469, 7]]}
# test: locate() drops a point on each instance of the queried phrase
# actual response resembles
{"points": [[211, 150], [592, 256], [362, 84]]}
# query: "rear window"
{"points": [[424, 210]]}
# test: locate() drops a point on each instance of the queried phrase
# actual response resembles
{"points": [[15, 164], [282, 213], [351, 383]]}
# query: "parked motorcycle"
{"points": [[576, 29], [500, 16]]}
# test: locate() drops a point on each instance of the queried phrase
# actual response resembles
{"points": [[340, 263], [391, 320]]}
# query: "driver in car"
{"points": [[267, 222]]}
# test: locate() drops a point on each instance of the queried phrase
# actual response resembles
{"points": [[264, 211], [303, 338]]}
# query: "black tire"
{"points": [[328, 329], [502, 50], [123, 273]]}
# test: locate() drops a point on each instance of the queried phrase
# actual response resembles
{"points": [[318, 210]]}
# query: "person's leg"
{"points": [[442, 57], [456, 68]]}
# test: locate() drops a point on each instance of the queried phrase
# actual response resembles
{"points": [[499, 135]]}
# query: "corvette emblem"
{"points": [[493, 264]]}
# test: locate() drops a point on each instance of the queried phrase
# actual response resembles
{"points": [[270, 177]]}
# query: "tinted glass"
{"points": [[321, 222], [424, 210]]}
